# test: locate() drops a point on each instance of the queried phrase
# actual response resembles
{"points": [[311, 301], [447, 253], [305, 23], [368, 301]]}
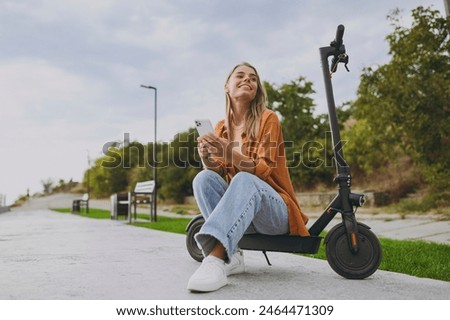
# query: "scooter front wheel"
{"points": [[348, 264]]}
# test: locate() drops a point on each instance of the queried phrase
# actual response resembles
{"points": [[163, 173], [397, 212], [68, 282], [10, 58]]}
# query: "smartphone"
{"points": [[204, 127]]}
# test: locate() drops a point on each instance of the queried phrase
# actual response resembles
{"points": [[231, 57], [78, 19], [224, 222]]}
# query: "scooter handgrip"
{"points": [[339, 35]]}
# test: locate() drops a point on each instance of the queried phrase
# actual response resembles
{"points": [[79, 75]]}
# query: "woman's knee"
{"points": [[201, 177], [243, 178], [205, 178]]}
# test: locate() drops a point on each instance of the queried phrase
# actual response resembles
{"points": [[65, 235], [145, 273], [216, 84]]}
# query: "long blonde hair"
{"points": [[254, 113]]}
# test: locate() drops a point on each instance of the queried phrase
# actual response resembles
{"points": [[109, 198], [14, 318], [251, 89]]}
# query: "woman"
{"points": [[256, 195]]}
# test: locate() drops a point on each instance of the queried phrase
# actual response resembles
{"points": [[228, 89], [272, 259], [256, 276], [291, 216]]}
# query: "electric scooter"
{"points": [[352, 249]]}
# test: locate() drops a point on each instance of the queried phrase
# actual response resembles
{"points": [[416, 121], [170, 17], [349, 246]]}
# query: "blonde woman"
{"points": [[245, 186]]}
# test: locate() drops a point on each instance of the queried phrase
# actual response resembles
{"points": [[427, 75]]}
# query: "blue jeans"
{"points": [[246, 205]]}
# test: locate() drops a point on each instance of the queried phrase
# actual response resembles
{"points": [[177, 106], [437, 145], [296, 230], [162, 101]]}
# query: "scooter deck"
{"points": [[280, 243]]}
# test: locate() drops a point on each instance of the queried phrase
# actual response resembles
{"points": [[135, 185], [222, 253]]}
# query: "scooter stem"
{"points": [[341, 165]]}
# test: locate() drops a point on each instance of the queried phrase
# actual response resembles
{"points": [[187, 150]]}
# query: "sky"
{"points": [[71, 70]]}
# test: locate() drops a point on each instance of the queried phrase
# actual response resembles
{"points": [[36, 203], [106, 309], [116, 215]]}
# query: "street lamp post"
{"points": [[88, 178], [155, 150]]}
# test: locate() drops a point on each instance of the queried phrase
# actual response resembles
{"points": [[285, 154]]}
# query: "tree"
{"points": [[123, 166], [403, 107], [182, 163], [305, 135], [47, 185]]}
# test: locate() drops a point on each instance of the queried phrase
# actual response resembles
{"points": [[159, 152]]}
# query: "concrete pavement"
{"points": [[48, 255]]}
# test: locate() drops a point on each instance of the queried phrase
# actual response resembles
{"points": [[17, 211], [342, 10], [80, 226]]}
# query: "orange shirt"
{"points": [[268, 152]]}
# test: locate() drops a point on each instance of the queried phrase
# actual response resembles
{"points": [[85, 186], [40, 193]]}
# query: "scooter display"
{"points": [[352, 249]]}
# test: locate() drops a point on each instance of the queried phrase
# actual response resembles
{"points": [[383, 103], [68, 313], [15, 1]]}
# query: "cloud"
{"points": [[34, 90], [51, 12], [70, 71]]}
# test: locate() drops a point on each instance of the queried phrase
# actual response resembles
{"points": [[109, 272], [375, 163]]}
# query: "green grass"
{"points": [[93, 213], [175, 225], [416, 258]]}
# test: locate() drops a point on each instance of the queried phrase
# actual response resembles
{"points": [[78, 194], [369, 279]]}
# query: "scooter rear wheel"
{"points": [[351, 265], [191, 244]]}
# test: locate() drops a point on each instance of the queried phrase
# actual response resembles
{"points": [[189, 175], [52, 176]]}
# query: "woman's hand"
{"points": [[215, 151], [212, 147], [211, 150], [202, 149]]}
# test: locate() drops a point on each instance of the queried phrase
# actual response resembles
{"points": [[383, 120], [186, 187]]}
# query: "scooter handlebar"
{"points": [[339, 35], [339, 50]]}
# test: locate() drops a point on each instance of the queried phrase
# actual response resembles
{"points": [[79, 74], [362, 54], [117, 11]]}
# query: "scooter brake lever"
{"points": [[346, 63]]}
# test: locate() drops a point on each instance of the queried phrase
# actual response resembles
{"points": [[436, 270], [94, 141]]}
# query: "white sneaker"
{"points": [[236, 264], [210, 276]]}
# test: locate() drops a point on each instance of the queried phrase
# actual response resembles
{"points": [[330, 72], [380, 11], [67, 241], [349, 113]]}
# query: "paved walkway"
{"points": [[48, 255]]}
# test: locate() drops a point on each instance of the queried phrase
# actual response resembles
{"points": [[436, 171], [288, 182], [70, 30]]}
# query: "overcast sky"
{"points": [[71, 70]]}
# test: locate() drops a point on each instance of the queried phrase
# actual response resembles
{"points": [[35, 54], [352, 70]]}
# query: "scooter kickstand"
{"points": [[267, 258]]}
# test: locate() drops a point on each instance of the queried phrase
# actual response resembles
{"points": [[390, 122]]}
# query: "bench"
{"points": [[144, 192], [78, 204]]}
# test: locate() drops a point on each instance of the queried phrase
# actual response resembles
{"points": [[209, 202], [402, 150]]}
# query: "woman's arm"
{"points": [[242, 162]]}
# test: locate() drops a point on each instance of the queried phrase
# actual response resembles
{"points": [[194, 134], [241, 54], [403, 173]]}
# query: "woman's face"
{"points": [[242, 84]]}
